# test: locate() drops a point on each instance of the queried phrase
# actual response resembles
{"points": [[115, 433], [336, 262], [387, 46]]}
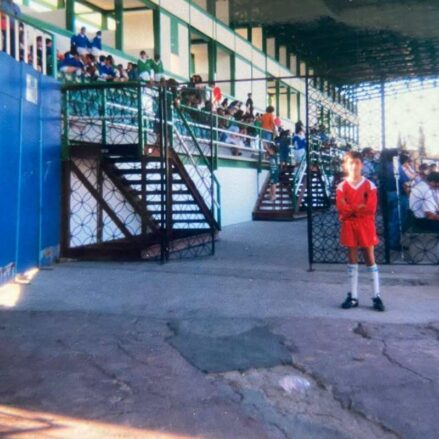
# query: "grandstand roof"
{"points": [[352, 41]]}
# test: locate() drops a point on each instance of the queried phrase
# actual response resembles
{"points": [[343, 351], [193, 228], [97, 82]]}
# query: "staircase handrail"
{"points": [[188, 153]]}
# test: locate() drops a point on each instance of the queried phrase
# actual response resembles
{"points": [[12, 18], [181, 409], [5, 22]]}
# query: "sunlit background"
{"points": [[411, 119]]}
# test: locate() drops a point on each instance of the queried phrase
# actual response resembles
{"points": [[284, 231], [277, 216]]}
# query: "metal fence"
{"points": [[391, 163]]}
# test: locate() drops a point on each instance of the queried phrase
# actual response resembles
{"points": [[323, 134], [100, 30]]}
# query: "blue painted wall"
{"points": [[30, 152]]}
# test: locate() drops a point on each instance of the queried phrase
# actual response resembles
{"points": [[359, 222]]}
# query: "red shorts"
{"points": [[358, 233]]}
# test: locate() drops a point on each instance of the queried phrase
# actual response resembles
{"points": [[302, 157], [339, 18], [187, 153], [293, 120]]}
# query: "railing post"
{"points": [[104, 115], [140, 119], [65, 142], [53, 63], [260, 152], [216, 142]]}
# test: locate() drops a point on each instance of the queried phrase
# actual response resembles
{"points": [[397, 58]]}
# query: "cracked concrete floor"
{"points": [[246, 344]]}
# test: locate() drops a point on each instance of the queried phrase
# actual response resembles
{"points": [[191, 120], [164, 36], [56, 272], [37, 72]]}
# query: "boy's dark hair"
{"points": [[102, 58], [433, 177], [269, 109], [366, 151], [404, 158], [142, 52], [353, 155], [423, 167]]}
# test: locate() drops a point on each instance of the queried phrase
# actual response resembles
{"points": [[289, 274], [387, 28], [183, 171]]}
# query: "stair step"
{"points": [[189, 221], [177, 212], [176, 203], [139, 181], [159, 192]]}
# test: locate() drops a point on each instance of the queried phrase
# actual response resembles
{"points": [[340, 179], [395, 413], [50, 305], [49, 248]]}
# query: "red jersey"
{"points": [[357, 205]]}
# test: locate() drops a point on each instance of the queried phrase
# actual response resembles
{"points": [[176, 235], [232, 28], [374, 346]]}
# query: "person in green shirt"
{"points": [[157, 66], [145, 67]]}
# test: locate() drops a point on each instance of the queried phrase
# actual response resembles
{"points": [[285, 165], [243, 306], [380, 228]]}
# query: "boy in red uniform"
{"points": [[356, 204]]}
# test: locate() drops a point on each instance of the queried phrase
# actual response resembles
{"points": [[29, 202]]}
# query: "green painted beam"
{"points": [[119, 23], [70, 15]]}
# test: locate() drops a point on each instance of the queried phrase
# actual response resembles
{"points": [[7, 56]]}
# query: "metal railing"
{"points": [[28, 43]]}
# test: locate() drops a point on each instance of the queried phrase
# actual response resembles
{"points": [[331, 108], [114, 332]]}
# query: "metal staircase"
{"points": [[133, 187], [283, 207]]}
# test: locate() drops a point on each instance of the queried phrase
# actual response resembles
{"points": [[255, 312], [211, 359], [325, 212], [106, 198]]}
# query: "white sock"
{"points": [[374, 277], [353, 279]]}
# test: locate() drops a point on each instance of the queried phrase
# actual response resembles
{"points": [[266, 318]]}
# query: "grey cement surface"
{"points": [[245, 344]]}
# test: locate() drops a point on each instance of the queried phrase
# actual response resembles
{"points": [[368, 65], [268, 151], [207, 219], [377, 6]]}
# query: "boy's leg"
{"points": [[372, 268], [353, 271]]}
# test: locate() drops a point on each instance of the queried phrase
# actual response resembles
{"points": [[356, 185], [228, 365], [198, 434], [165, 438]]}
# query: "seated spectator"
{"points": [[234, 139], [106, 71], [71, 64], [120, 74], [144, 67], [422, 173], [424, 203], [133, 74], [96, 44]]}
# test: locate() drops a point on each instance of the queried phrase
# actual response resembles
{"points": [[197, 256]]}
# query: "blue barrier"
{"points": [[30, 154]]}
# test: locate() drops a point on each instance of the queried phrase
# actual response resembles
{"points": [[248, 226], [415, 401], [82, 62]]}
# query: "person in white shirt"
{"points": [[424, 203]]}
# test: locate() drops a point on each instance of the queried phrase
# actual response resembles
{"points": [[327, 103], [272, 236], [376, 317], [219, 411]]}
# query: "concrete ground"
{"points": [[245, 344]]}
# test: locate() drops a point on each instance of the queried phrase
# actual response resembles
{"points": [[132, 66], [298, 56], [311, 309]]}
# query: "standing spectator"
{"points": [[299, 142], [406, 163], [397, 198], [369, 165], [10, 8], [144, 66], [96, 44], [81, 42], [157, 67], [216, 94], [274, 170], [267, 124], [249, 104], [284, 142]]}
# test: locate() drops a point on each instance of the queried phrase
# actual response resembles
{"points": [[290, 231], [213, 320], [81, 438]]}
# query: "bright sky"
{"points": [[406, 113]]}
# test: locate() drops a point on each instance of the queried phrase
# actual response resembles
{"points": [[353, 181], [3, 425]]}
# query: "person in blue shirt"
{"points": [[369, 165], [397, 196], [299, 142], [80, 43], [96, 44], [106, 71], [71, 64]]}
